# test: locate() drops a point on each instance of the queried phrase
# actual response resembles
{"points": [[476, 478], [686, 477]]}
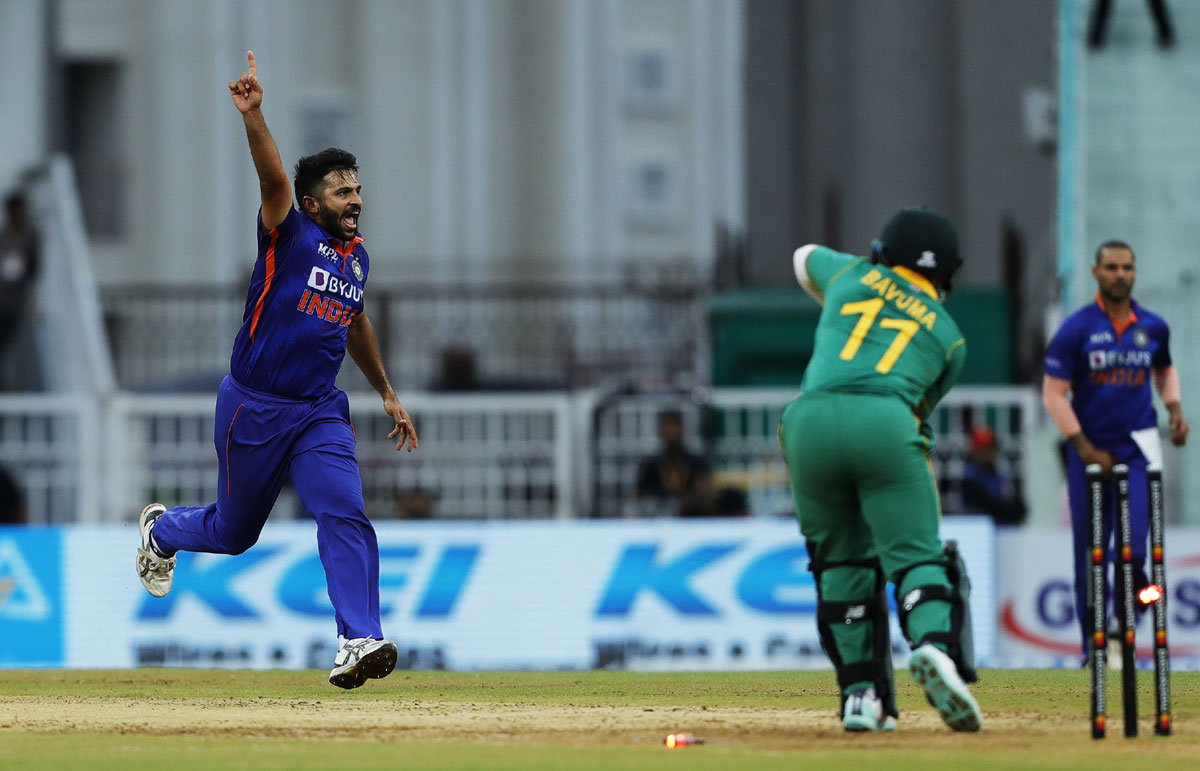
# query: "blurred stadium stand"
{"points": [[645, 330], [520, 266]]}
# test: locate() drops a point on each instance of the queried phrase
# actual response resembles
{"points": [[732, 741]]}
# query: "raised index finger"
{"points": [[253, 66]]}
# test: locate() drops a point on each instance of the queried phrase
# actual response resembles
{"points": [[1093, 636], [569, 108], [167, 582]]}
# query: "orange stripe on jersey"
{"points": [[349, 248], [1118, 325], [270, 270]]}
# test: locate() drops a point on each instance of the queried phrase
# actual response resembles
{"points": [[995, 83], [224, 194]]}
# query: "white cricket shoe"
{"points": [[864, 712], [945, 689], [155, 570], [360, 658]]}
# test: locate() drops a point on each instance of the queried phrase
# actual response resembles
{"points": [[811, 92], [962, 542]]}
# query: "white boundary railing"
{"points": [[51, 446], [736, 429], [482, 455]]}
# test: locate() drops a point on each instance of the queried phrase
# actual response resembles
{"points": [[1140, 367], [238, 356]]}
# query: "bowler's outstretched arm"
{"points": [[273, 182]]}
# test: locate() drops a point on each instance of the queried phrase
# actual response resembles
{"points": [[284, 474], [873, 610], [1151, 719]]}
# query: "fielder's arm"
{"points": [[273, 182], [363, 347], [1166, 380], [1054, 399]]}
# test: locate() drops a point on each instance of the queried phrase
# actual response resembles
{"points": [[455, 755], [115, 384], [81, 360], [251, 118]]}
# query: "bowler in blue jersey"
{"points": [[279, 413], [1106, 356]]}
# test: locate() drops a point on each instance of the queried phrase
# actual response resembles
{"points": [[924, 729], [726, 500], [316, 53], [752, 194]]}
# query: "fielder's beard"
{"points": [[1117, 293]]}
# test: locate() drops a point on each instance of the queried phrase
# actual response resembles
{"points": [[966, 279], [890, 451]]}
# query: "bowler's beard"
{"points": [[331, 221]]}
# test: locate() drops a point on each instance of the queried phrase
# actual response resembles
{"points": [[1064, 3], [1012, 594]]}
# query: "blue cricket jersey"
{"points": [[306, 288], [1110, 368]]}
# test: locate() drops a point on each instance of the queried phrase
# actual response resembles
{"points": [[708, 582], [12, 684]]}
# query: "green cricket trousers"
{"points": [[863, 488]]}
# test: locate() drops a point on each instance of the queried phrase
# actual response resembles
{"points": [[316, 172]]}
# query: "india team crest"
{"points": [[1140, 338], [356, 269]]}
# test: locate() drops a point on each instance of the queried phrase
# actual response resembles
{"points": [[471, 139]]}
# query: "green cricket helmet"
{"points": [[923, 240]]}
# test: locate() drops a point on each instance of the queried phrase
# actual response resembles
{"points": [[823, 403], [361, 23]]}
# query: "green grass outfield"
{"points": [[201, 719]]}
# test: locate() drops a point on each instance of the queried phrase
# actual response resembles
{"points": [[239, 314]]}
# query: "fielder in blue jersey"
{"points": [[279, 413], [1106, 355]]}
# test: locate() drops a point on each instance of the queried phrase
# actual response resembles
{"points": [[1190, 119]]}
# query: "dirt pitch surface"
{"points": [[497, 720], [759, 727]]}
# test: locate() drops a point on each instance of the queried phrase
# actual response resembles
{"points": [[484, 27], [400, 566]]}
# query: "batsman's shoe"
{"points": [[864, 712], [944, 688], [155, 570], [360, 658]]}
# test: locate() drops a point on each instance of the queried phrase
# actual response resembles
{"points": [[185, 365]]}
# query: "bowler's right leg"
{"points": [[253, 442]]}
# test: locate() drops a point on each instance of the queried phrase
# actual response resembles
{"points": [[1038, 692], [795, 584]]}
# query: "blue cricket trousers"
{"points": [[260, 438], [1129, 454]]}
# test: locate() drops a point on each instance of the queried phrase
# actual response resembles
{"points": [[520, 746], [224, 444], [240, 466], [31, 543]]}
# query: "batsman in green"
{"points": [[857, 445]]}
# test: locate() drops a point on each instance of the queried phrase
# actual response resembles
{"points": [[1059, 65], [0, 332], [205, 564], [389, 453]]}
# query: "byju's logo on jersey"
{"points": [[324, 281], [1106, 359]]}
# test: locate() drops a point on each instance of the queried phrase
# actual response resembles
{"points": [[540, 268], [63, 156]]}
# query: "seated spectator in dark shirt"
{"points": [[12, 501], [675, 481], [19, 248], [985, 489]]}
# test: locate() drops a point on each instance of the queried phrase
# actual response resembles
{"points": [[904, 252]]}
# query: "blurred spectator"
{"points": [[18, 268], [985, 490], [675, 481], [12, 501], [414, 504], [458, 371], [1098, 25], [733, 502]]}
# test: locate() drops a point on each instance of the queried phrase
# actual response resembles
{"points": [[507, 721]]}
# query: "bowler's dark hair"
{"points": [[311, 170], [1114, 243]]}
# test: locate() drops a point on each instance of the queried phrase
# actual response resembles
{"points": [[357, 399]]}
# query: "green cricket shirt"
{"points": [[882, 330]]}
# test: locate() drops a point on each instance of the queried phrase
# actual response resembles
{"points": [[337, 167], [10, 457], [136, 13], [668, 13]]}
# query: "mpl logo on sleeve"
{"points": [[327, 251], [31, 617]]}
